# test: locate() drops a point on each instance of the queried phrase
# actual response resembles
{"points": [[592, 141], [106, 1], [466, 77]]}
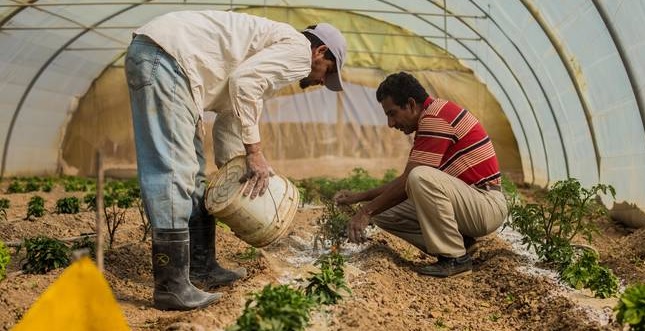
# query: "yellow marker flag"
{"points": [[80, 299]]}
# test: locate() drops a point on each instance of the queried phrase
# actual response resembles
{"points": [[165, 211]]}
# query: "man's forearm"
{"points": [[389, 195], [375, 192], [252, 148]]}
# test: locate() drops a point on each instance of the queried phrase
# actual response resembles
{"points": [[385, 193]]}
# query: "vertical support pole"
{"points": [[445, 26], [99, 211], [340, 125]]}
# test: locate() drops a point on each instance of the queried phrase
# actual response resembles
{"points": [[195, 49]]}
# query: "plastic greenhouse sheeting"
{"points": [[569, 76]]}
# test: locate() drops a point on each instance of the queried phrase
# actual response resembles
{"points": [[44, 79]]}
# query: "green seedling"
{"points": [[440, 324], [585, 272], [275, 308], [4, 205], [328, 286], [16, 186], [68, 205], [5, 258], [631, 307], [47, 185], [78, 184], [250, 253], [90, 201], [44, 254], [332, 231], [32, 185], [36, 207]]}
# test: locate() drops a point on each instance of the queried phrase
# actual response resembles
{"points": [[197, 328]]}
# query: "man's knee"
{"points": [[422, 176]]}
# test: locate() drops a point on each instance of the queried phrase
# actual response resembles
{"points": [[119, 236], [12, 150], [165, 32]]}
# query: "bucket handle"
{"points": [[275, 205]]}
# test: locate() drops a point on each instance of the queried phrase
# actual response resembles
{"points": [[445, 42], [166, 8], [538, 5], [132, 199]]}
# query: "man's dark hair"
{"points": [[400, 87], [315, 42]]}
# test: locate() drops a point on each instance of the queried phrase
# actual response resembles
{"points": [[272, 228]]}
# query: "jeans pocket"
{"points": [[141, 64]]}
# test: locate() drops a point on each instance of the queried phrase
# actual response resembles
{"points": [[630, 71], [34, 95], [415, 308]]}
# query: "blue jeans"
{"points": [[170, 155]]}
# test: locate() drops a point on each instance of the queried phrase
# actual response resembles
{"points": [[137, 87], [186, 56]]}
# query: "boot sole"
{"points": [[204, 281], [461, 274], [162, 306], [457, 275]]}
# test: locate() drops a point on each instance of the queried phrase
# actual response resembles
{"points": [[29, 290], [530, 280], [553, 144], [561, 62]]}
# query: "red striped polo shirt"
{"points": [[452, 140]]}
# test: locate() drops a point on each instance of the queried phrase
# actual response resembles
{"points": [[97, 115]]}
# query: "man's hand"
{"points": [[357, 225], [257, 174], [343, 197]]}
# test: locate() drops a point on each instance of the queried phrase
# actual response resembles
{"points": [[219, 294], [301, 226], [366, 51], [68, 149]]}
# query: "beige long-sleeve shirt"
{"points": [[232, 60]]}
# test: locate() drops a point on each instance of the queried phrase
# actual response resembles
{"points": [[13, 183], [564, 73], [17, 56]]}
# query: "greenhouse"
{"points": [[558, 87]]}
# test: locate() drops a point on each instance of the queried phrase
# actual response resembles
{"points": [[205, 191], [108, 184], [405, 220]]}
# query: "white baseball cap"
{"points": [[334, 40]]}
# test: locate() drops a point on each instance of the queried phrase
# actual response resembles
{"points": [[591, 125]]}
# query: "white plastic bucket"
{"points": [[260, 221]]}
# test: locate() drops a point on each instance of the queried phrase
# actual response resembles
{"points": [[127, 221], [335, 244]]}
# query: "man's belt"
{"points": [[489, 187]]}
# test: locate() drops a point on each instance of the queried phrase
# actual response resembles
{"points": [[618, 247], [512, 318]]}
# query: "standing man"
{"points": [[450, 190], [179, 65]]}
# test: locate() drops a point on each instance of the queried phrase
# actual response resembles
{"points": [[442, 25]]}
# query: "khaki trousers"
{"points": [[440, 209]]}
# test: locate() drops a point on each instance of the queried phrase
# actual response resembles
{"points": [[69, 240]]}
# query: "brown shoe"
{"points": [[448, 267], [470, 244]]}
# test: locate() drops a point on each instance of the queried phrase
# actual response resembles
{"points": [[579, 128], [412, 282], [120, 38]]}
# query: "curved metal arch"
{"points": [[539, 82], [14, 13], [37, 76], [528, 100], [90, 28], [528, 147], [570, 71], [631, 76]]}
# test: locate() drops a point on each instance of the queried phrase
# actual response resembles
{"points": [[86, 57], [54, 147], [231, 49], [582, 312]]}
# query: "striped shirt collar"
{"points": [[427, 103]]}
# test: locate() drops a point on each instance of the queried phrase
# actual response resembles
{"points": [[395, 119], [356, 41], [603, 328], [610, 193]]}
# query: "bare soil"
{"points": [[387, 293]]}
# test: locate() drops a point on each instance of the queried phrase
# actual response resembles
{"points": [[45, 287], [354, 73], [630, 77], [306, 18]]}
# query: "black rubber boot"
{"points": [[170, 261], [205, 272]]}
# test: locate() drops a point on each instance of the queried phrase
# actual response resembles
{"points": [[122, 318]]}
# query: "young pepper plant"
{"points": [[631, 307], [568, 209], [44, 254], [328, 286], [275, 308], [68, 205], [5, 257], [35, 207], [332, 226], [585, 272]]}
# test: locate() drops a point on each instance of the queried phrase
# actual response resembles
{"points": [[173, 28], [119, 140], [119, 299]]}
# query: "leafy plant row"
{"points": [[566, 210], [44, 254], [36, 206], [46, 184], [285, 308], [319, 189], [118, 197]]}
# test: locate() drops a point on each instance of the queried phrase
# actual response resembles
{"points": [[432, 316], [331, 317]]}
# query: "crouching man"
{"points": [[450, 190]]}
